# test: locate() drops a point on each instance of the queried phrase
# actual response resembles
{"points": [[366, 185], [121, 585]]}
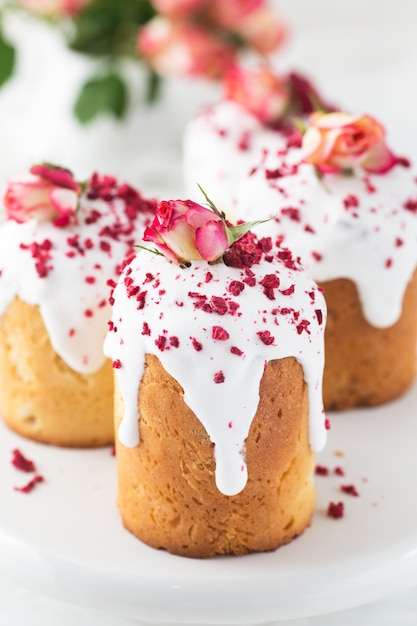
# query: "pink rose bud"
{"points": [[338, 141], [262, 29], [54, 8], [184, 231], [179, 8], [183, 49], [48, 193], [260, 91], [228, 13]]}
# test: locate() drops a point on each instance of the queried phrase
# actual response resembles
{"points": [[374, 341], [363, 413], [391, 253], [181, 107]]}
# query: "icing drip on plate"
{"points": [[214, 329], [65, 271]]}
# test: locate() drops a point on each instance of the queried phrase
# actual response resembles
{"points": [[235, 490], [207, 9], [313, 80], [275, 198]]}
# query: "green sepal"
{"points": [[233, 233]]}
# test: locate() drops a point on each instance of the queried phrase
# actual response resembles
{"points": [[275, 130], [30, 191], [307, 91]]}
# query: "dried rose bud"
{"points": [[338, 141], [185, 231], [48, 193], [261, 92]]}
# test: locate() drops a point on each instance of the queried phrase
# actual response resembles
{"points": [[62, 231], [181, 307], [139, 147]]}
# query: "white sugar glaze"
{"points": [[220, 146], [355, 227], [225, 409], [75, 286]]}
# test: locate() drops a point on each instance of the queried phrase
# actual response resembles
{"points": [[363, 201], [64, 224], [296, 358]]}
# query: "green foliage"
{"points": [[7, 59], [108, 27], [101, 94]]}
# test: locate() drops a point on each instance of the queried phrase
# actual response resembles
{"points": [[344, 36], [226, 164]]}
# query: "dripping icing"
{"points": [[195, 369], [341, 226], [71, 291], [362, 214]]}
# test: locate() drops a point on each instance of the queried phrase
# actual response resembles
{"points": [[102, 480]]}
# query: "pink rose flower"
{"points": [[49, 193], [179, 8], [185, 231], [260, 91], [262, 29], [54, 8], [174, 47], [228, 13], [338, 141]]}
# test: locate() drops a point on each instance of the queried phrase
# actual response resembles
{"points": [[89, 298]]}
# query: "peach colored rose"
{"points": [[338, 141], [54, 8], [261, 92], [179, 8], [262, 29], [49, 193], [186, 231], [183, 49]]}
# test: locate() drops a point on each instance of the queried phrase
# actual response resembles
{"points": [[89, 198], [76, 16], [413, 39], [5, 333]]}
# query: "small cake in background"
{"points": [[255, 117], [61, 246], [347, 206], [217, 347]]}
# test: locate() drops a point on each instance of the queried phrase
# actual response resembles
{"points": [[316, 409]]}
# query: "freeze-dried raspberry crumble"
{"points": [[350, 490], [21, 463], [30, 486], [336, 510]]}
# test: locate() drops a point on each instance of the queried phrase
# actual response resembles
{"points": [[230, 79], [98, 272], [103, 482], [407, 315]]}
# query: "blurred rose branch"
{"points": [[191, 38]]}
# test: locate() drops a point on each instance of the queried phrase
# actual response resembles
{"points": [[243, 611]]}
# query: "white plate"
{"points": [[65, 539]]}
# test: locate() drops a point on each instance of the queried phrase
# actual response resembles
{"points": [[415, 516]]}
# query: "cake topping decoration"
{"points": [[49, 193], [339, 142], [273, 98], [64, 256], [185, 231]]}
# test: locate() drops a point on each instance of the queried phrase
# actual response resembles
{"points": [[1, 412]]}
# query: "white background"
{"points": [[362, 53]]}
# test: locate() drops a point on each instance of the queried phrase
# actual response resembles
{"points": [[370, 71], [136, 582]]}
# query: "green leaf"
{"points": [[211, 204], [236, 232], [109, 27], [101, 94], [7, 59]]}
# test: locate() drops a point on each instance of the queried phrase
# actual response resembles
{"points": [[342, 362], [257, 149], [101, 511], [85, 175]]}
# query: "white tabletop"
{"points": [[20, 607]]}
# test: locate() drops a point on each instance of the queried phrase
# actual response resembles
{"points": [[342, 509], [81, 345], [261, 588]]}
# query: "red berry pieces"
{"points": [[219, 377], [21, 463], [350, 490], [31, 484], [336, 510]]}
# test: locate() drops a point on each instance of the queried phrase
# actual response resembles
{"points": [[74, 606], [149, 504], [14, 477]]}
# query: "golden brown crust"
{"points": [[41, 397], [167, 494], [365, 365]]}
